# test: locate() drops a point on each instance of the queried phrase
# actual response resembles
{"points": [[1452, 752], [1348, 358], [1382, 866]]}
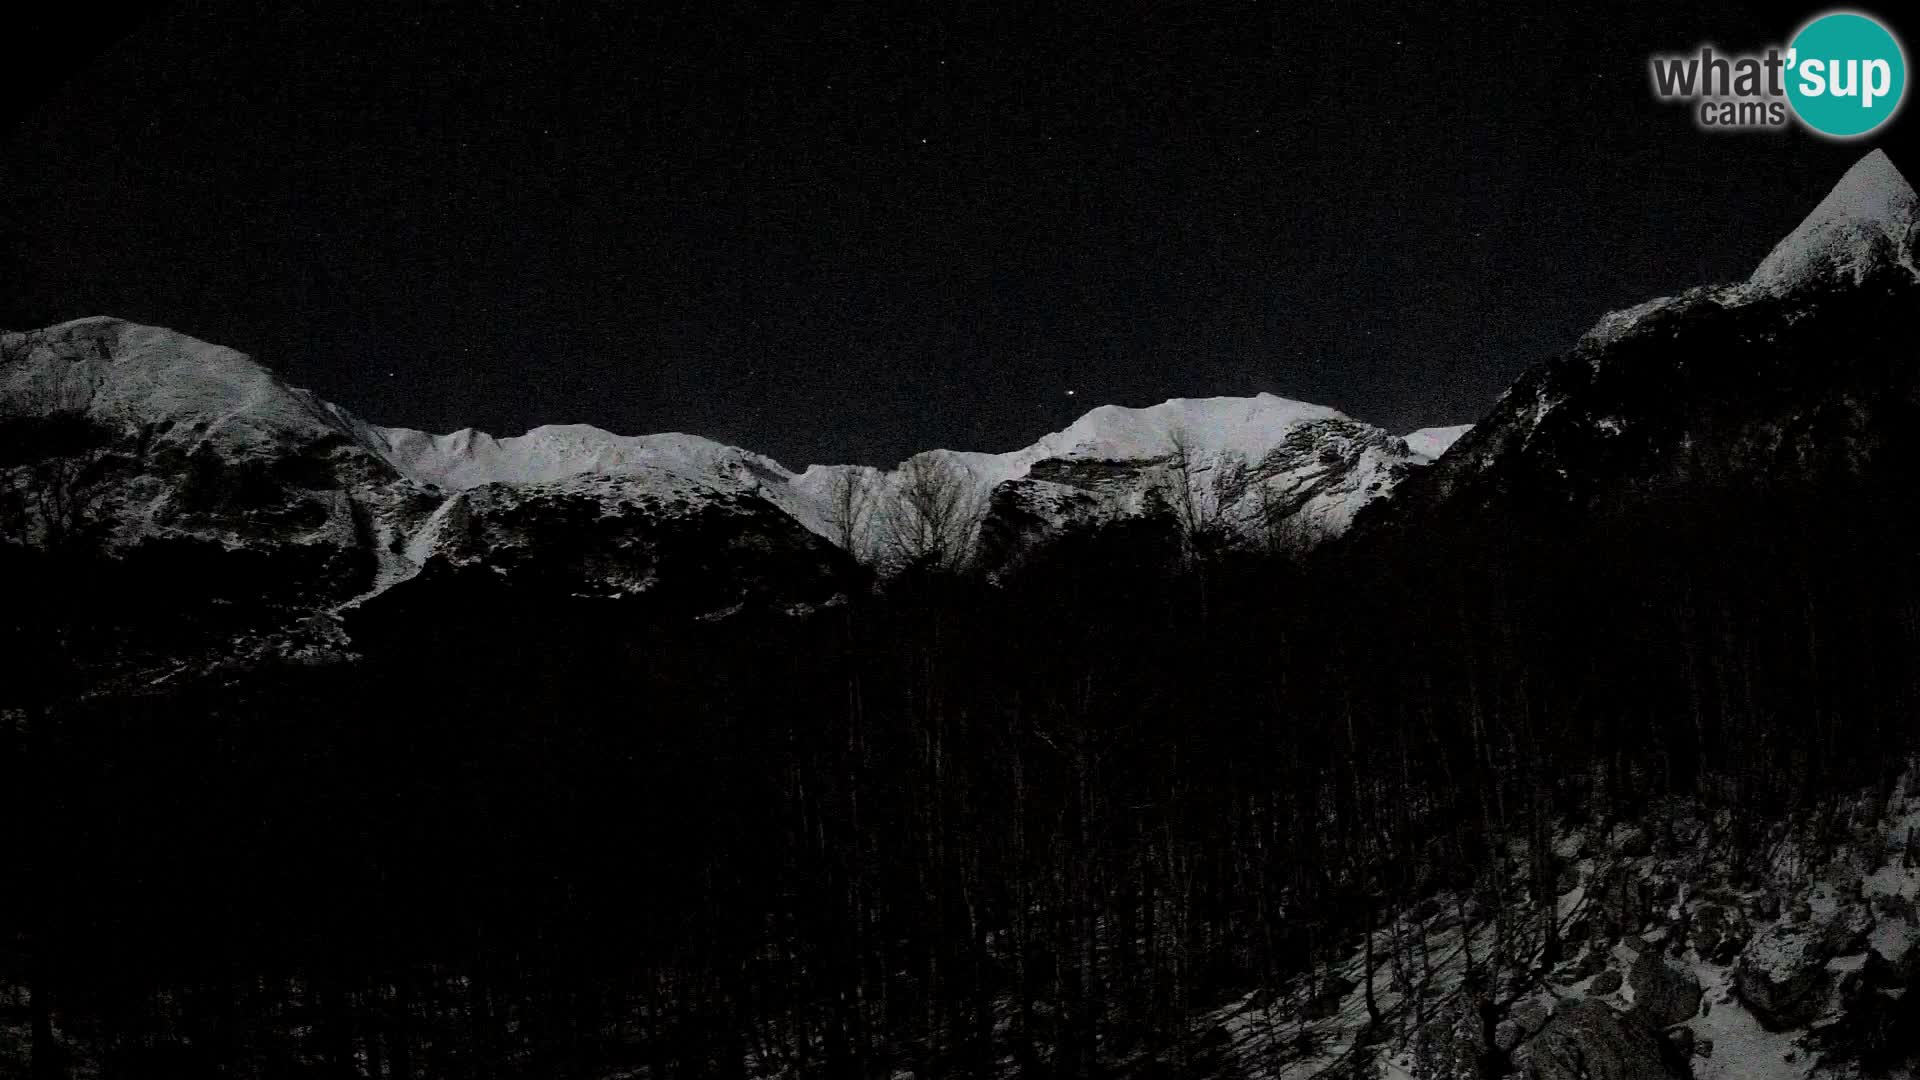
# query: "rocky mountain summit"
{"points": [[1801, 375]]}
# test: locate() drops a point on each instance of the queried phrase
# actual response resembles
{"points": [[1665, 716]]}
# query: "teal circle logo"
{"points": [[1846, 74]]}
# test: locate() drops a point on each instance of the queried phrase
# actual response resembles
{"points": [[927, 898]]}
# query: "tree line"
{"points": [[1036, 827]]}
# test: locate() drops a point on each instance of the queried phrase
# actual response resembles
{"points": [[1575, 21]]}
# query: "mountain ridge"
{"points": [[173, 441], [151, 377], [1791, 374], [1866, 219]]}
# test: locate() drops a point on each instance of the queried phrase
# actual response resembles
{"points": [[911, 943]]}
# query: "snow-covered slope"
{"points": [[164, 436], [179, 458], [545, 455], [1432, 442], [1247, 465], [1253, 470], [120, 373], [1247, 427], [1865, 223], [1864, 226]]}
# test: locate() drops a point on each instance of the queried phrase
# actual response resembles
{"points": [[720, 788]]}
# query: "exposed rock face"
{"points": [[1863, 226], [121, 436], [1895, 942], [1662, 993], [1875, 1019], [1783, 974], [1798, 377], [600, 536], [1718, 933], [153, 464], [1225, 472], [1524, 1019], [1588, 1041]]}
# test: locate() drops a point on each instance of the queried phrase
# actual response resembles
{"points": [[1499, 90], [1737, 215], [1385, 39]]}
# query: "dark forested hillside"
{"points": [[950, 828], [1590, 752]]}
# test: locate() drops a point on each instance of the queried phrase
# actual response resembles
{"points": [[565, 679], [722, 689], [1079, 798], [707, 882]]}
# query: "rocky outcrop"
{"points": [[1718, 932], [242, 513], [1784, 976], [1792, 379], [1588, 1041], [1524, 1019], [1662, 993]]}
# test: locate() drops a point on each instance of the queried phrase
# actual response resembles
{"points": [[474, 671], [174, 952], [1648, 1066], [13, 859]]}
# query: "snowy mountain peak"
{"points": [[122, 373], [469, 458], [1249, 425], [225, 452], [1865, 222]]}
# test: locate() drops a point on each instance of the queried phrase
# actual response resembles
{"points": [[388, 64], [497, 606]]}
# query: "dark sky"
{"points": [[848, 233]]}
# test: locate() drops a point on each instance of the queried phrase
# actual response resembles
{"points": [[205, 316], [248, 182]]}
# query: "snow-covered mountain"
{"points": [[147, 444], [179, 398], [1252, 470], [127, 436], [1864, 225], [182, 460], [1247, 464], [1804, 371], [135, 436]]}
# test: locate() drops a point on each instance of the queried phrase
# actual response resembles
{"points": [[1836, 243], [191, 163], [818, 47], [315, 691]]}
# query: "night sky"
{"points": [[851, 235]]}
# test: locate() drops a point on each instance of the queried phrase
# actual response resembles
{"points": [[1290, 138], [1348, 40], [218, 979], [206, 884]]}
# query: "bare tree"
{"points": [[64, 503], [1198, 515], [932, 511], [849, 512], [1279, 522], [47, 480]]}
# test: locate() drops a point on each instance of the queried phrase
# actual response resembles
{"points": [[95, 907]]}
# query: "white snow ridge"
{"points": [[545, 455], [1864, 223], [233, 452], [1251, 470], [1319, 464]]}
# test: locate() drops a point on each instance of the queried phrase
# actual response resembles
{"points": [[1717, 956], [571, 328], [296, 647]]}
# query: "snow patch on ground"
{"points": [[1742, 1049]]}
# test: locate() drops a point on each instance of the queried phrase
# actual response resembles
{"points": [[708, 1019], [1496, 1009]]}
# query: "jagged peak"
{"points": [[1866, 221], [154, 378]]}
